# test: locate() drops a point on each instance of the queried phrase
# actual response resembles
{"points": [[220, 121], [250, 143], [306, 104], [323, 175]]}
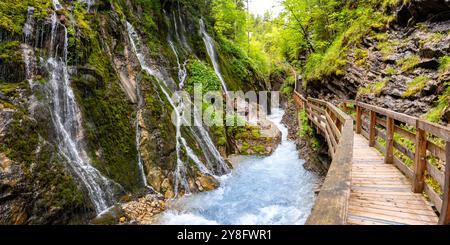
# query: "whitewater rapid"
{"points": [[269, 190]]}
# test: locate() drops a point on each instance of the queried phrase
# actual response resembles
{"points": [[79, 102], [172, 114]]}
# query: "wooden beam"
{"points": [[389, 113], [444, 218], [358, 119], [389, 157], [372, 125], [420, 162]]}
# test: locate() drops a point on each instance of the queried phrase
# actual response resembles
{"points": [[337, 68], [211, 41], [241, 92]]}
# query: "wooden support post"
{"points": [[444, 218], [372, 132], [420, 162], [339, 125], [358, 119], [390, 126]]}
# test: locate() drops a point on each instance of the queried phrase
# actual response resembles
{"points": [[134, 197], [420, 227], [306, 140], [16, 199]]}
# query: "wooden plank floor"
{"points": [[381, 194]]}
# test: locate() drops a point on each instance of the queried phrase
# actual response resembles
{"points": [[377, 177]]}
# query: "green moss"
{"points": [[415, 86], [245, 148], [435, 115], [13, 13], [107, 114], [391, 71], [409, 62], [374, 88], [256, 133], [388, 47], [57, 187], [219, 134], [444, 66], [9, 89], [9, 52], [361, 56], [259, 149]]}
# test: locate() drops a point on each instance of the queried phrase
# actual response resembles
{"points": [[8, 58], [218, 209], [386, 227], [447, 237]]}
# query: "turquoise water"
{"points": [[260, 190]]}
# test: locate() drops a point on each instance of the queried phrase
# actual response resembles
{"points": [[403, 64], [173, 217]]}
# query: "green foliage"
{"points": [[230, 18], [374, 88], [239, 70], [13, 13], [200, 73], [410, 145], [409, 62], [435, 115], [288, 86], [327, 64], [306, 131], [324, 32], [444, 64], [415, 86], [9, 52]]}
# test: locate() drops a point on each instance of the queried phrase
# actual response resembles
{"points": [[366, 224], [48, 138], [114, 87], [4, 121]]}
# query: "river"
{"points": [[273, 190]]}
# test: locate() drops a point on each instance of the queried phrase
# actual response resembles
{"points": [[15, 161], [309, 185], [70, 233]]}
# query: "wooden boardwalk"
{"points": [[380, 194], [383, 162]]}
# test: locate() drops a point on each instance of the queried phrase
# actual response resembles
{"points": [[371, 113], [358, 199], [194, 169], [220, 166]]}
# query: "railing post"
{"points": [[358, 119], [419, 159], [390, 126], [444, 218], [372, 133]]}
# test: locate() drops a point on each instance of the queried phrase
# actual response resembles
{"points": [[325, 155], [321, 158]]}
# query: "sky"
{"points": [[259, 7]]}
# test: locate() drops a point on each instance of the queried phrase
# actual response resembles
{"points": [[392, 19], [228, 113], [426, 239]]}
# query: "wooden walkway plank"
{"points": [[381, 194]]}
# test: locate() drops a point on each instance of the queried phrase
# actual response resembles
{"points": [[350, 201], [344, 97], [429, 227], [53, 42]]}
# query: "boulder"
{"points": [[415, 11]]}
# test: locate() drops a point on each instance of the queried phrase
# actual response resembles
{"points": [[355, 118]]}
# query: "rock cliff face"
{"points": [[120, 60], [404, 67]]}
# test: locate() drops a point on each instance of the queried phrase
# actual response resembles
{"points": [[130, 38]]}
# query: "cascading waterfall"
{"points": [[201, 135], [180, 172], [57, 5], [182, 73], [67, 120], [28, 27], [28, 51], [89, 4], [211, 49], [138, 135]]}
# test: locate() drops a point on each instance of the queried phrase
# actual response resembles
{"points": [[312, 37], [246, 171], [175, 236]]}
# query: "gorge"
{"points": [[94, 131]]}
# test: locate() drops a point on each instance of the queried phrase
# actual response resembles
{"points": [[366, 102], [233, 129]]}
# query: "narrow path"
{"points": [[381, 194]]}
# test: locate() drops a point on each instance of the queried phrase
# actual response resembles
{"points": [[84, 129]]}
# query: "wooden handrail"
{"points": [[337, 127], [425, 149]]}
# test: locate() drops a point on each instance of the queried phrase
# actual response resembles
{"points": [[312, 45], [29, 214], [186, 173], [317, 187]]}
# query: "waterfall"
{"points": [[182, 73], [180, 171], [56, 5], [89, 4], [211, 49], [140, 102], [201, 135], [66, 117], [28, 28], [28, 51]]}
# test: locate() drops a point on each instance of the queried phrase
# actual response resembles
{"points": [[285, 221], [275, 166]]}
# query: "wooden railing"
{"points": [[420, 149], [337, 127]]}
